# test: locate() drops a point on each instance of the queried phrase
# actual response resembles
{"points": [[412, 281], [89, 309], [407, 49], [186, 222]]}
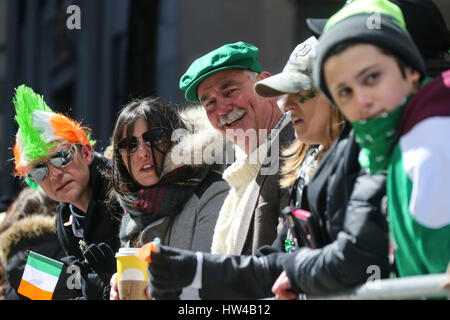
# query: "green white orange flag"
{"points": [[40, 277]]}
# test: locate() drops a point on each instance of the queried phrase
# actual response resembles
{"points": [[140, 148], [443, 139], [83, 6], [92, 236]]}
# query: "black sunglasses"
{"points": [[151, 137], [59, 159]]}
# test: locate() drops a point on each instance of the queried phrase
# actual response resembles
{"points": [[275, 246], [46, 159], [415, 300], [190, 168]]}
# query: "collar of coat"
{"points": [[199, 144]]}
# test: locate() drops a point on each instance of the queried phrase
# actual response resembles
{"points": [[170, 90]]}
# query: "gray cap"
{"points": [[296, 75]]}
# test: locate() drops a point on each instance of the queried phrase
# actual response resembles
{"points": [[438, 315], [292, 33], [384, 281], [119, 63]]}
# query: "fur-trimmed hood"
{"points": [[30, 227], [199, 144]]}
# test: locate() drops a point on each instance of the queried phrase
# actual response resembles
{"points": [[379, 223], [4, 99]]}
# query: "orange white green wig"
{"points": [[41, 129]]}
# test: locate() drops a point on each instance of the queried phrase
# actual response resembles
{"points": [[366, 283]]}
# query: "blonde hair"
{"points": [[294, 154]]}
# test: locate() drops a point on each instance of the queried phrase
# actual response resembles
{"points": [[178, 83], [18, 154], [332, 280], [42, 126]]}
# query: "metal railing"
{"points": [[416, 287]]}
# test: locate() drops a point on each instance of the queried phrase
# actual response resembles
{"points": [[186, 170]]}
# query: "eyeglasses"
{"points": [[151, 137], [60, 159]]}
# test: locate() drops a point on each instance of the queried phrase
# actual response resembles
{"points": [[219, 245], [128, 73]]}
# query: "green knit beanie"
{"points": [[377, 22]]}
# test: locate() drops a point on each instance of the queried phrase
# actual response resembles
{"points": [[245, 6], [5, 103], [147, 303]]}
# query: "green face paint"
{"points": [[310, 95]]}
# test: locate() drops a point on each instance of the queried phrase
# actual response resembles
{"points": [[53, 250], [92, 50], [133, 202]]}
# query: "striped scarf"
{"points": [[167, 198]]}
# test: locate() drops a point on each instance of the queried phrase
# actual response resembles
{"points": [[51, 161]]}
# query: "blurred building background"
{"points": [[125, 49]]}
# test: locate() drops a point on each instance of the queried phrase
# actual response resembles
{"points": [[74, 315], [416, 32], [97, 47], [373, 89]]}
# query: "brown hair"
{"points": [[157, 114], [339, 48]]}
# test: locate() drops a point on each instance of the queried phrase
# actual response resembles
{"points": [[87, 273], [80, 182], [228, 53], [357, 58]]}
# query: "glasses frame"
{"points": [[43, 166], [149, 138]]}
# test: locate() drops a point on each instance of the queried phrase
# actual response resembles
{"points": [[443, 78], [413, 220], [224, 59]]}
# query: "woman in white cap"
{"points": [[316, 122]]}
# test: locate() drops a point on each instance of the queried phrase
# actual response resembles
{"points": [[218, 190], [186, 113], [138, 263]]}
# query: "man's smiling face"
{"points": [[231, 103]]}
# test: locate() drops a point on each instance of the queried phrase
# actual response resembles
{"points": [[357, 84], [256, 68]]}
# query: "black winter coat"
{"points": [[102, 225], [350, 207]]}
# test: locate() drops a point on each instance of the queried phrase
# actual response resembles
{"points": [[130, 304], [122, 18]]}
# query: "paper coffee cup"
{"points": [[132, 275]]}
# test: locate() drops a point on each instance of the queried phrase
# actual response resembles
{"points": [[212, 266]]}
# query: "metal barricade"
{"points": [[416, 287]]}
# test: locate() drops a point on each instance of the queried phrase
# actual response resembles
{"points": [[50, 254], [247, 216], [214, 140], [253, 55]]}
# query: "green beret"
{"points": [[239, 55]]}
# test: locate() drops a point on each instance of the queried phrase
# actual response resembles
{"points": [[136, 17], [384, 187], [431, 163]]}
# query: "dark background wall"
{"points": [[81, 72], [131, 48]]}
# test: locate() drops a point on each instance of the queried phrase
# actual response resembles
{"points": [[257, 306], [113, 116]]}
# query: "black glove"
{"points": [[101, 258], [275, 262], [96, 271], [94, 285], [171, 270]]}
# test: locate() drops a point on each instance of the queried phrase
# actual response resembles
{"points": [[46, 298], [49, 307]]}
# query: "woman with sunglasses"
{"points": [[162, 196], [56, 153]]}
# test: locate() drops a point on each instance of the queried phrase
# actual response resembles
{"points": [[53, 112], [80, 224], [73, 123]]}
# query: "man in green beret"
{"points": [[223, 82]]}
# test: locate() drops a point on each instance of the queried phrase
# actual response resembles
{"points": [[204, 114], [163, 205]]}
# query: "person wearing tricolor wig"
{"points": [[401, 120], [56, 153]]}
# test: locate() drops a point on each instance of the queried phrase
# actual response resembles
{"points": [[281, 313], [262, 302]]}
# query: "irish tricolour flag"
{"points": [[39, 277]]}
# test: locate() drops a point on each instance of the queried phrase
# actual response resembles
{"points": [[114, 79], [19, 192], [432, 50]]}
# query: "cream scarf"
{"points": [[241, 176]]}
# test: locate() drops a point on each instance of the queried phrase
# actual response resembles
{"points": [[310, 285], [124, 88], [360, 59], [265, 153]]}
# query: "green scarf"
{"points": [[376, 137]]}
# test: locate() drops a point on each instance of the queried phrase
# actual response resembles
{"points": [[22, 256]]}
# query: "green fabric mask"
{"points": [[376, 137]]}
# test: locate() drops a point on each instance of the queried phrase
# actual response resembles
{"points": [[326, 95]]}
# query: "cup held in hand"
{"points": [[132, 275]]}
